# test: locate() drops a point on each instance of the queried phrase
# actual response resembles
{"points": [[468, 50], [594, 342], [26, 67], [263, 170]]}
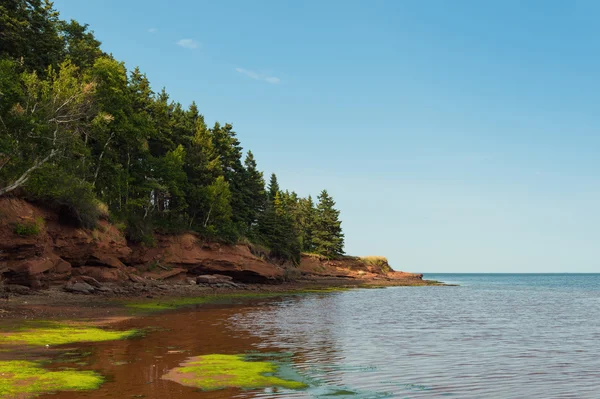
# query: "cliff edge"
{"points": [[38, 250]]}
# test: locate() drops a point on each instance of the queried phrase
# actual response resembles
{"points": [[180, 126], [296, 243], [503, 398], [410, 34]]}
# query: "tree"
{"points": [[49, 119], [81, 47], [277, 231], [273, 188], [254, 185], [305, 222], [327, 239], [77, 128], [30, 34]]}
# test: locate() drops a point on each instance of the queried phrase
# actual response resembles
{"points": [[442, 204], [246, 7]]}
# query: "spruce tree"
{"points": [[273, 188], [152, 161], [327, 239], [255, 190]]}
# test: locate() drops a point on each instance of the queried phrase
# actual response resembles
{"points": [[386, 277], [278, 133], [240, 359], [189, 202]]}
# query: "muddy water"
{"points": [[498, 338]]}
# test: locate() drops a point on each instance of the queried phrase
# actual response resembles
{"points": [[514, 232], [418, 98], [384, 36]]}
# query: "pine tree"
{"points": [[306, 222], [273, 188], [328, 239], [255, 190], [77, 128]]}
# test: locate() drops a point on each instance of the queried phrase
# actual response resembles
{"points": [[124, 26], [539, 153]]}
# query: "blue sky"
{"points": [[455, 136]]}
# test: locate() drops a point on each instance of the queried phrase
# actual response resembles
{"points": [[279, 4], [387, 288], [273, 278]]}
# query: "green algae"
{"points": [[49, 333], [24, 378], [174, 303], [212, 372]]}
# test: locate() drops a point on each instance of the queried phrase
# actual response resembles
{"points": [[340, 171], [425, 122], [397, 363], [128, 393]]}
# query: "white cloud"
{"points": [[152, 30], [188, 43], [272, 79], [259, 76]]}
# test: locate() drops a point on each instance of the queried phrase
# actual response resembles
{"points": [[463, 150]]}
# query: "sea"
{"points": [[487, 336]]}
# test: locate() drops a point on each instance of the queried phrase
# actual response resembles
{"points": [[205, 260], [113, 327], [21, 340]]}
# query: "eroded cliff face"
{"points": [[352, 267], [37, 250]]}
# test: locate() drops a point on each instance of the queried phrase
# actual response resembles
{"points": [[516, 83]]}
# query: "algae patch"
{"points": [[23, 378], [211, 372], [47, 333], [222, 298]]}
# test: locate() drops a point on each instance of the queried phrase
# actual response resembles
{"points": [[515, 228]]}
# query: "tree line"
{"points": [[82, 134]]}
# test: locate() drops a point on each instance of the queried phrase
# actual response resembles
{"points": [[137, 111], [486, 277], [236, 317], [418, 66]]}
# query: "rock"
{"points": [[105, 289], [105, 260], [18, 289], [165, 274], [62, 266], [91, 281], [79, 288], [188, 252], [34, 266], [213, 279], [137, 279], [101, 274]]}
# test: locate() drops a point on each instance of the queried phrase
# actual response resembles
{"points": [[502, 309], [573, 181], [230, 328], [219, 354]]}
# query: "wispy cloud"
{"points": [[152, 30], [259, 76], [188, 43]]}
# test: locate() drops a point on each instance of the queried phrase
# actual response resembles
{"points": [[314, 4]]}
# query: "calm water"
{"points": [[495, 336]]}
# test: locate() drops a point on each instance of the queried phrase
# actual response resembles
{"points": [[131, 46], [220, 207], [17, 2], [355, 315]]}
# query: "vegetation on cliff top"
{"points": [[79, 132]]}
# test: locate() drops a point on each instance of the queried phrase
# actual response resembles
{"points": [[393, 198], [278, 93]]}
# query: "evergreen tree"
{"points": [[77, 128], [255, 190], [327, 238], [29, 34], [306, 222], [81, 47], [273, 188]]}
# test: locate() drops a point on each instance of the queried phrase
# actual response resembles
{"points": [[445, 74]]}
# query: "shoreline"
{"points": [[104, 309]]}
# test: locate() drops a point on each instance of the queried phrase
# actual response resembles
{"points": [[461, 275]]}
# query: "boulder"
{"points": [[90, 280], [101, 274], [77, 287]]}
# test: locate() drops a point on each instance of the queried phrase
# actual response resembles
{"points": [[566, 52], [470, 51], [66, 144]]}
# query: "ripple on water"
{"points": [[530, 336]]}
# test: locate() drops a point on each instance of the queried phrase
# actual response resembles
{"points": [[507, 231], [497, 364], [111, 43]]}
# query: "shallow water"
{"points": [[507, 336]]}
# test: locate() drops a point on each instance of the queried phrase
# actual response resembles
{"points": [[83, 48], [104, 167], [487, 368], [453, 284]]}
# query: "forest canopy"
{"points": [[82, 134]]}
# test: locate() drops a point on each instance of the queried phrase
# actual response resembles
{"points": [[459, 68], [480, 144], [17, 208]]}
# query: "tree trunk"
{"points": [[25, 176]]}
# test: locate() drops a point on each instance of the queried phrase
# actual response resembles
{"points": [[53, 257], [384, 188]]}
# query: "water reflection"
{"points": [[508, 340]]}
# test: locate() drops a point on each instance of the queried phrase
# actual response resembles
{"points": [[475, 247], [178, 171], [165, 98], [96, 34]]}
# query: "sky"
{"points": [[455, 136]]}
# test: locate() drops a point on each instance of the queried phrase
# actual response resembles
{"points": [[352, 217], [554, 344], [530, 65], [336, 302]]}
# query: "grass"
{"points": [[377, 261], [29, 228], [212, 372], [22, 379], [314, 255], [50, 333]]}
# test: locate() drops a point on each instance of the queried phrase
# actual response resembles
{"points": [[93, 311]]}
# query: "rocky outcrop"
{"points": [[48, 252], [352, 267], [186, 251], [37, 251]]}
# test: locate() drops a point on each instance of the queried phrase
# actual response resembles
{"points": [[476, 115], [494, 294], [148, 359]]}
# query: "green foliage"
{"points": [[72, 197], [29, 228], [327, 238], [81, 133]]}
